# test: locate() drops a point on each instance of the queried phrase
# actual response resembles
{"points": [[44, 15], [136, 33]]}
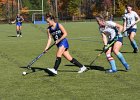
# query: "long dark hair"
{"points": [[51, 17]]}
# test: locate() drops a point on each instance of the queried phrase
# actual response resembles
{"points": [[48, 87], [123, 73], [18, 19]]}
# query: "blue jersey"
{"points": [[57, 34], [18, 20]]}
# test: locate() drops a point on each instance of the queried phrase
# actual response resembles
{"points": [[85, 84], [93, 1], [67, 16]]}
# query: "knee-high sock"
{"points": [[122, 59], [18, 33], [57, 63], [134, 44], [75, 62], [112, 62], [113, 65]]}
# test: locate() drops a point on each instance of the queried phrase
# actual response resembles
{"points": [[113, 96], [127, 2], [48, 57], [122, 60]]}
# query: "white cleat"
{"points": [[18, 35], [52, 71], [83, 69]]}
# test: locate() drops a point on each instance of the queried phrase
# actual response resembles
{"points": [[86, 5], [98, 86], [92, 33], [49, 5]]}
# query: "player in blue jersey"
{"points": [[130, 19], [19, 19], [111, 31], [58, 33]]}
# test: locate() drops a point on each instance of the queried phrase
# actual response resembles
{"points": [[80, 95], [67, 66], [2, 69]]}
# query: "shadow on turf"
{"points": [[36, 69], [12, 36], [98, 50], [100, 68], [121, 51], [126, 52]]}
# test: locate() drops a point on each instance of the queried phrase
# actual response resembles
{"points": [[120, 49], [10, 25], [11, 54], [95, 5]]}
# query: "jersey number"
{"points": [[56, 37]]}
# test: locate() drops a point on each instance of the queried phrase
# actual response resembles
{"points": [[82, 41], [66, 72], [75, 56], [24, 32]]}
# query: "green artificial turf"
{"points": [[85, 44]]}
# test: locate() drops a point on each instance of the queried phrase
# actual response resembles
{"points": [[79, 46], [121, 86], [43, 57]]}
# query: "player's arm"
{"points": [[13, 21], [124, 24], [137, 19], [105, 41], [22, 19], [104, 38], [49, 40], [120, 28], [64, 33]]}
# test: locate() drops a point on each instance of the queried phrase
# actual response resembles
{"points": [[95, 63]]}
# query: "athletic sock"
{"points": [[57, 63], [75, 62], [121, 58], [17, 32], [20, 32], [113, 65], [111, 61], [134, 44]]}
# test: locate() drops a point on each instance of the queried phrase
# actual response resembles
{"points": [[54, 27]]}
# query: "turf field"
{"points": [[85, 44]]}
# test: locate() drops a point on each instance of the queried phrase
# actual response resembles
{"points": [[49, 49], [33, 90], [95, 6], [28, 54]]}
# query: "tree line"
{"points": [[67, 9]]}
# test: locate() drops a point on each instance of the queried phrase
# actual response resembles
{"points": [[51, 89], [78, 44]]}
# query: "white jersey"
{"points": [[109, 30], [130, 19]]}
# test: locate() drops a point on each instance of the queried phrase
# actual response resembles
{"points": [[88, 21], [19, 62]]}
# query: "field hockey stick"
{"points": [[109, 46], [34, 60], [102, 52], [130, 27]]}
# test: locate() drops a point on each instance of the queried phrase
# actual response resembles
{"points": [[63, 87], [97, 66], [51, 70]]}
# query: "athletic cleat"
{"points": [[136, 50], [111, 71], [82, 69], [51, 71], [18, 35], [127, 68]]}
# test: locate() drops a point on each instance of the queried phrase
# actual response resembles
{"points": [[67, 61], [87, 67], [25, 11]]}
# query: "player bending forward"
{"points": [[19, 19], [111, 31], [130, 19], [58, 32]]}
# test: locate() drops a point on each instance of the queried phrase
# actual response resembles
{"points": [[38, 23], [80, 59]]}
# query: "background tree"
{"points": [[68, 8], [73, 8]]}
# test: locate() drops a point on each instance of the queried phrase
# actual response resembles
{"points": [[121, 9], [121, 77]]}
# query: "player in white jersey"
{"points": [[111, 31], [130, 19]]}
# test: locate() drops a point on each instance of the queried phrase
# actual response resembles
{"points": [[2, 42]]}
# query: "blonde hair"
{"points": [[100, 17]]}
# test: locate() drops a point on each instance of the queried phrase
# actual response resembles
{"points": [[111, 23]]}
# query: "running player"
{"points": [[58, 32], [19, 19], [130, 19], [111, 31]]}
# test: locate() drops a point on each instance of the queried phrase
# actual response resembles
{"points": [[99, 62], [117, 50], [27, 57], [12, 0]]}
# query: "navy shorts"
{"points": [[18, 24], [64, 43], [131, 30], [120, 39]]}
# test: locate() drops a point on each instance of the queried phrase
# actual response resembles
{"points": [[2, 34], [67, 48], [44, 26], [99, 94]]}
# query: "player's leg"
{"points": [[133, 42], [111, 61], [116, 50], [62, 46], [58, 60], [20, 33], [74, 61], [17, 29], [58, 56]]}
